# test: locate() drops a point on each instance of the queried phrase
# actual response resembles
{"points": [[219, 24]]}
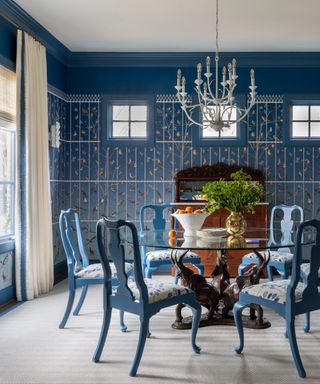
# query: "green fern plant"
{"points": [[241, 194]]}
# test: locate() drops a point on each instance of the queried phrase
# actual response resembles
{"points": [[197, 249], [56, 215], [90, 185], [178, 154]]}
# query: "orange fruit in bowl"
{"points": [[180, 211], [188, 209], [197, 211], [172, 234]]}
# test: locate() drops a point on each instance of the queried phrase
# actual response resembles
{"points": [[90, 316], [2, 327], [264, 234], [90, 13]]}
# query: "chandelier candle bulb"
{"points": [[230, 72], [208, 65], [252, 79], [183, 86], [224, 71], [178, 78], [234, 62]]}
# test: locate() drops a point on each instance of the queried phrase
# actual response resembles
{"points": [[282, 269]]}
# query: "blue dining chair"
{"points": [[81, 273], [281, 259], [142, 297], [304, 273], [155, 259], [288, 298]]}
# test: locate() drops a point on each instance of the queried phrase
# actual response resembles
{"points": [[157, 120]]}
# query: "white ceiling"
{"points": [[179, 25]]}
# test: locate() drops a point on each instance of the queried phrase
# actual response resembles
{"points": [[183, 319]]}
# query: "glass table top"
{"points": [[255, 238]]}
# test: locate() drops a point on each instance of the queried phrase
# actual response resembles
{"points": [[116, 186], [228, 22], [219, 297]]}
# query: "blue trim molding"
{"points": [[7, 294], [191, 59], [289, 101]]}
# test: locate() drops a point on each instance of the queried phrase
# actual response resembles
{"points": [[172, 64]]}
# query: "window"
{"points": [[302, 120], [235, 135], [305, 121], [208, 132], [7, 151], [128, 120]]}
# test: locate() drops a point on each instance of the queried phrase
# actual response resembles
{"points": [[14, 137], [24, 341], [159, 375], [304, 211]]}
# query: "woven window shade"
{"points": [[7, 94]]}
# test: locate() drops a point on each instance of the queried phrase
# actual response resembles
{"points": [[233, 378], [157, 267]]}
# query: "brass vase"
{"points": [[236, 226]]}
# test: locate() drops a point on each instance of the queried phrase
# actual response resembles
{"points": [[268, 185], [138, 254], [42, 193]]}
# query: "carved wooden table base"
{"points": [[219, 295]]}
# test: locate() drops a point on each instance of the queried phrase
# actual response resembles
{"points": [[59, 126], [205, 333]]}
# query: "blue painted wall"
{"points": [[56, 70], [162, 80]]}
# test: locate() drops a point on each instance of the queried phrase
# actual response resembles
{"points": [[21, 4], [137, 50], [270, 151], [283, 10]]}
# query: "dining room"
{"points": [[159, 191]]}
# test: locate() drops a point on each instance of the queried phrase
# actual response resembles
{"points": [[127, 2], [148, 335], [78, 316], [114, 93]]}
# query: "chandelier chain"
{"points": [[217, 30]]}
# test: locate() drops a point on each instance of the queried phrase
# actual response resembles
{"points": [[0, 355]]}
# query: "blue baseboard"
{"points": [[7, 294], [60, 271]]}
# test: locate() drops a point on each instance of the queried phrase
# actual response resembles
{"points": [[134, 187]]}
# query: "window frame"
{"points": [[107, 103], [240, 140], [289, 101], [11, 128], [7, 241]]}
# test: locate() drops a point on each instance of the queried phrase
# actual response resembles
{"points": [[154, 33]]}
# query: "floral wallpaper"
{"points": [[99, 180], [6, 270]]}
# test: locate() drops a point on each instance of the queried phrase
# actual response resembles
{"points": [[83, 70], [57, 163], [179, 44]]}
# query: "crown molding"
{"points": [[12, 12], [190, 59]]}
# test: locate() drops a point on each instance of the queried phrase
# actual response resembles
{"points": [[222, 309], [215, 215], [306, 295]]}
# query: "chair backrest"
{"points": [[311, 295], [158, 213], [72, 240], [116, 251], [286, 223]]}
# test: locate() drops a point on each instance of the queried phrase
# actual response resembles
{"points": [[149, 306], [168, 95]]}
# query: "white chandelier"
{"points": [[219, 109]]}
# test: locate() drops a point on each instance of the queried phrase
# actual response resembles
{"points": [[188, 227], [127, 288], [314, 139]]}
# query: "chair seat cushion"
{"points": [[96, 271], [165, 254], [274, 290], [275, 256], [159, 290], [305, 269]]}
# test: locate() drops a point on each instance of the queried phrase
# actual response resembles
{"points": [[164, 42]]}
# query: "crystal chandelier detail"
{"points": [[215, 101]]}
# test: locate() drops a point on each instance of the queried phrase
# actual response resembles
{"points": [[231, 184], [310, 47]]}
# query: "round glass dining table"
{"points": [[256, 240]]}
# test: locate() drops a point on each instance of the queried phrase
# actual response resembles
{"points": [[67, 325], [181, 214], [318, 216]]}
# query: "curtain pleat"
{"points": [[34, 252]]}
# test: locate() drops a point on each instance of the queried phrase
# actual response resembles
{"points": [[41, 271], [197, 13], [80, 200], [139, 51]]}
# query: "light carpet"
{"points": [[34, 350]]}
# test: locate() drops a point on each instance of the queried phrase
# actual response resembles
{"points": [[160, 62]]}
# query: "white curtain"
{"points": [[34, 252]]}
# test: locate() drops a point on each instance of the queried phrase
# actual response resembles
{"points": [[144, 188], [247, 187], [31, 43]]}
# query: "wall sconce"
{"points": [[54, 135]]}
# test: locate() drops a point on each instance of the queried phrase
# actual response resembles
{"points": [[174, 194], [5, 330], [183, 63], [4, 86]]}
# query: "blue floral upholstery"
{"points": [[274, 290], [305, 269], [165, 254], [276, 256], [95, 270], [159, 290]]}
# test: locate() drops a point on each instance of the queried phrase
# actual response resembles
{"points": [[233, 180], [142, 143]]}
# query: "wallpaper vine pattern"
{"points": [[99, 180]]}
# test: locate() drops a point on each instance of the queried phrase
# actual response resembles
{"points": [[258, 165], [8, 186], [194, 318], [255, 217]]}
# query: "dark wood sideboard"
{"points": [[189, 182]]}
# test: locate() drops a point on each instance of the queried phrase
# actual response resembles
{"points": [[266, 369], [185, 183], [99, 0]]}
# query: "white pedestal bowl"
{"points": [[191, 222]]}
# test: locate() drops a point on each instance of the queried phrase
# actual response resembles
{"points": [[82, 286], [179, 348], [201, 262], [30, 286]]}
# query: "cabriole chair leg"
{"points": [[68, 309], [81, 300]]}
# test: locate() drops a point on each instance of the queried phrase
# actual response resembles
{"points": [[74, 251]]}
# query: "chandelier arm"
{"points": [[190, 118], [210, 91], [242, 116]]}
